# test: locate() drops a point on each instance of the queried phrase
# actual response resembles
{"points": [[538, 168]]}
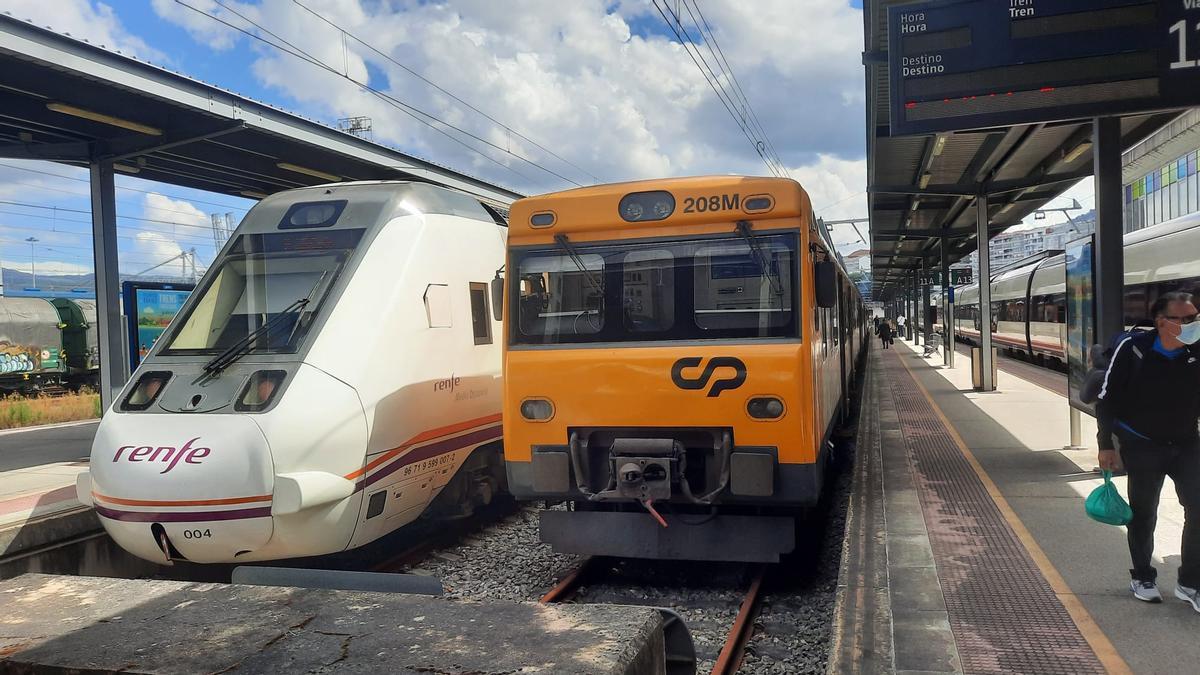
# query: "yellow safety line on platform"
{"points": [[1099, 642]]}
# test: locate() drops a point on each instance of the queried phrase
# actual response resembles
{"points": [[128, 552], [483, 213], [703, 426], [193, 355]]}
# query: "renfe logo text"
{"points": [[165, 453]]}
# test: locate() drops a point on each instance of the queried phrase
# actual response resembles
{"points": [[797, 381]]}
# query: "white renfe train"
{"points": [[1029, 302], [336, 370]]}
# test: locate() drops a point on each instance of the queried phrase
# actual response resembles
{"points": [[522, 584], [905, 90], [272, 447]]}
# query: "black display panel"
{"points": [[969, 64]]}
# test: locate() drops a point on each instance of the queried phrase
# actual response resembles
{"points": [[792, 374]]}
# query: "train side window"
{"points": [[481, 323]]}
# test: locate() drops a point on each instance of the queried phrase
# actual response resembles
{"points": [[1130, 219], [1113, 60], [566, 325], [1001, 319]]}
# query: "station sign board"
{"points": [[969, 64]]}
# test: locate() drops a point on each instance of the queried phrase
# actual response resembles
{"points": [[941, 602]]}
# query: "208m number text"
{"points": [[712, 203]]}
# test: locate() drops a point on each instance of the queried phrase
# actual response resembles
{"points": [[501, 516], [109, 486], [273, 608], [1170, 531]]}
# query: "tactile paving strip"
{"points": [[1005, 616]]}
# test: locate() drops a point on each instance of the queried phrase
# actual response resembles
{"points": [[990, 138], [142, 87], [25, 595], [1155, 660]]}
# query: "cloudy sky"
{"points": [[554, 92]]}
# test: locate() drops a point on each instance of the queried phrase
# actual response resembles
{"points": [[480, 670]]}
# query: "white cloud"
{"points": [[83, 19], [585, 79], [176, 224]]}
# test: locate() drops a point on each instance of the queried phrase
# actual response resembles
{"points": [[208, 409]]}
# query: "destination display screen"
{"points": [[972, 64]]}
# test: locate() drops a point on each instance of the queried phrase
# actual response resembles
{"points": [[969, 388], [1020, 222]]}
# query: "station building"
{"points": [[1160, 174]]}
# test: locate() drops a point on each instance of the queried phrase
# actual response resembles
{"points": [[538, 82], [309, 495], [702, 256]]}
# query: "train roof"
{"points": [[369, 203], [595, 207]]}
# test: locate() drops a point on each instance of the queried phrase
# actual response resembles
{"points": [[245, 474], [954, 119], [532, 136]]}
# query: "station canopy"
{"points": [[922, 188], [71, 102]]}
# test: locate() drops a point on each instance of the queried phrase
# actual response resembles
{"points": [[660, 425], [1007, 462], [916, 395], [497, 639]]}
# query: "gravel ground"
{"points": [[792, 631], [506, 561]]}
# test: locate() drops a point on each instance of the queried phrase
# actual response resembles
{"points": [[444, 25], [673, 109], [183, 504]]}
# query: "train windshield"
{"points": [[681, 290], [275, 279]]}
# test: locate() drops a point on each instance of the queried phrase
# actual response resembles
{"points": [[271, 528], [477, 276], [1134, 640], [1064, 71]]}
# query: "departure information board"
{"points": [[970, 64]]}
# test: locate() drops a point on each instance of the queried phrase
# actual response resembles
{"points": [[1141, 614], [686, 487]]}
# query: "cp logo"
{"points": [[737, 379]]}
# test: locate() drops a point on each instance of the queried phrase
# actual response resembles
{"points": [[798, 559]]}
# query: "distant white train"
{"points": [[1029, 302], [336, 370]]}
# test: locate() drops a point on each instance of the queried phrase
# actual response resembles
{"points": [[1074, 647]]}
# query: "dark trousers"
{"points": [[886, 340], [1147, 464]]}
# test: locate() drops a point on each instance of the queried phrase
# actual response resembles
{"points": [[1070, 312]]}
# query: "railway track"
{"points": [[625, 582]]}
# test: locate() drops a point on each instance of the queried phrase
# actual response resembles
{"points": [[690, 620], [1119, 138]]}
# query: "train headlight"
{"points": [[260, 390], [537, 409], [146, 391], [639, 207], [765, 408]]}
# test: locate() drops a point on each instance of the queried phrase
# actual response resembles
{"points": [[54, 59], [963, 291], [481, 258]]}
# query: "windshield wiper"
{"points": [[764, 268], [565, 244], [240, 348]]}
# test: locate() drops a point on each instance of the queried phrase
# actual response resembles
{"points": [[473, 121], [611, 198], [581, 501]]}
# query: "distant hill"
{"points": [[71, 285]]}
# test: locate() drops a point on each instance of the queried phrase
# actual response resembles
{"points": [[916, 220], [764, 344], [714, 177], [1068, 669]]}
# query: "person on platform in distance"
{"points": [[884, 331], [1148, 410]]}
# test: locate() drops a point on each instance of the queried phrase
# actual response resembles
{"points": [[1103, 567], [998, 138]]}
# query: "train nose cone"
{"points": [[204, 481]]}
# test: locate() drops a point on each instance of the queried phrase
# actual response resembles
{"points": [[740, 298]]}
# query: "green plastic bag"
{"points": [[1106, 505]]}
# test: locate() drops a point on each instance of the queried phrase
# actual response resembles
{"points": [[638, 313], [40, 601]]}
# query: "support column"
{"points": [[947, 305], [108, 289], [985, 293], [915, 305], [1110, 259], [926, 319]]}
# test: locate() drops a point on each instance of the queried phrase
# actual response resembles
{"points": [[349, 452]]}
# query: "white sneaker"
{"points": [[1147, 591], [1188, 595]]}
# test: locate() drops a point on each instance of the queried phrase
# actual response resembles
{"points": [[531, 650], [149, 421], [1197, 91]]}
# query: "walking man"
{"points": [[1148, 411]]}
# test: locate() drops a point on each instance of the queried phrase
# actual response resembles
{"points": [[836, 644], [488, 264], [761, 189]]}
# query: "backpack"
{"points": [[1101, 357]]}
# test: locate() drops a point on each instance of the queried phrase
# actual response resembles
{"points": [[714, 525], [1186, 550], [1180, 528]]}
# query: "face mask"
{"points": [[1189, 334]]}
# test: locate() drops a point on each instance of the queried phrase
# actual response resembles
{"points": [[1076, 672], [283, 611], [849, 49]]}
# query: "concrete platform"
{"points": [[1007, 524], [38, 507], [81, 624]]}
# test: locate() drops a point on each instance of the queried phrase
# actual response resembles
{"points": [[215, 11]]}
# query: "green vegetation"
{"points": [[21, 411]]}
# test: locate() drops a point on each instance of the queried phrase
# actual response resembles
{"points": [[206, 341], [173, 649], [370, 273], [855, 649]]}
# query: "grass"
{"points": [[21, 411]]}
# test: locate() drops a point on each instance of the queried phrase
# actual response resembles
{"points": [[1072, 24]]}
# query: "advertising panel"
{"points": [[149, 309]]}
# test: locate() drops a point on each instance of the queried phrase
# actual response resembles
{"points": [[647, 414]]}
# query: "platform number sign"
{"points": [[970, 64], [1183, 28]]}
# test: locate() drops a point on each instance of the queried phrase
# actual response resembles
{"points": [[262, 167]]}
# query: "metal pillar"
{"points": [[947, 306], [926, 318], [108, 289], [907, 305], [985, 293], [1110, 259]]}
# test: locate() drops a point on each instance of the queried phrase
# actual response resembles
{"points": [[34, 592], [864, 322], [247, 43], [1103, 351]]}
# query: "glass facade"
{"points": [[1169, 192]]}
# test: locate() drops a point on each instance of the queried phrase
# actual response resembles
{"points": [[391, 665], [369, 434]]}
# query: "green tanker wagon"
{"points": [[46, 345]]}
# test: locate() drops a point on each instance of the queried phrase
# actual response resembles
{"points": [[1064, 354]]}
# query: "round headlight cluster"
{"points": [[640, 207], [764, 408]]}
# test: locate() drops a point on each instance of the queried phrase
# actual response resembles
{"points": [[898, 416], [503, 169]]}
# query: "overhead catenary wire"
{"points": [[761, 140], [433, 84], [719, 56], [707, 73], [417, 114]]}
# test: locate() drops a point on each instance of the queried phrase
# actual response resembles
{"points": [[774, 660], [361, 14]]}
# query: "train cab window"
{"points": [[687, 289], [734, 290], [481, 323], [561, 295], [648, 290], [268, 289]]}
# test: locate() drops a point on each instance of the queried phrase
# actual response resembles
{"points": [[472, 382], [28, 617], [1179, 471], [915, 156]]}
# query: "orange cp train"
{"points": [[677, 353]]}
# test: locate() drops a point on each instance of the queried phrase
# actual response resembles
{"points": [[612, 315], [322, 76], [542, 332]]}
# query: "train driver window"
{"points": [[648, 290], [734, 291], [481, 323], [561, 295]]}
